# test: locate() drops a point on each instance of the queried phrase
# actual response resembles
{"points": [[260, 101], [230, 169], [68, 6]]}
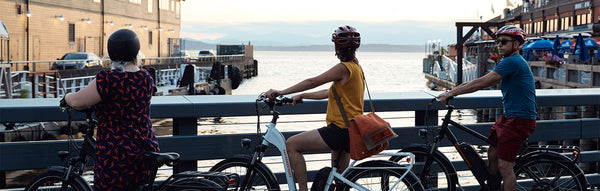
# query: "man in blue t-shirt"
{"points": [[518, 98]]}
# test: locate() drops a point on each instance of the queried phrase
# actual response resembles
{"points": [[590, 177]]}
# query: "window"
{"points": [[150, 39], [589, 18], [177, 10], [136, 1], [164, 4], [150, 6], [96, 1], [172, 5], [71, 32]]}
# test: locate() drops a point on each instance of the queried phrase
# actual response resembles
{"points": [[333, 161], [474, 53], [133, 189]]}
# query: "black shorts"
{"points": [[335, 137]]}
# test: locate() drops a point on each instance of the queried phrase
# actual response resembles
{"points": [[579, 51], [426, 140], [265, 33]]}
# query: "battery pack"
{"points": [[474, 161]]}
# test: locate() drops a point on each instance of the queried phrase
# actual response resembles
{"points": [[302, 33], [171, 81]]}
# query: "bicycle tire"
{"points": [[52, 180], [556, 172], [193, 184], [264, 179], [381, 178], [440, 166]]}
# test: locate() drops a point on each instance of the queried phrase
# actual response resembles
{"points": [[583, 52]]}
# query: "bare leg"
{"points": [[309, 141], [344, 160], [492, 161], [508, 175]]}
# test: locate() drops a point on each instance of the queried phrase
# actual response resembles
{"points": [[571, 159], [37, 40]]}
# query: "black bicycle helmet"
{"points": [[346, 36], [123, 45]]}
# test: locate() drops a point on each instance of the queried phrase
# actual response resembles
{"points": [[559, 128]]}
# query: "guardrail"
{"points": [[184, 110]]}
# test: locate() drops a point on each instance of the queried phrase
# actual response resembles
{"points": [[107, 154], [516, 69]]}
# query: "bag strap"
{"points": [[339, 102]]}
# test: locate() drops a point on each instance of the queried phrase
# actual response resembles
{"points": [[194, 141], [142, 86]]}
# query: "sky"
{"points": [[311, 22]]}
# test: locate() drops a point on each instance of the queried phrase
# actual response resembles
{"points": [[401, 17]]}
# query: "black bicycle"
{"points": [[537, 167], [69, 177]]}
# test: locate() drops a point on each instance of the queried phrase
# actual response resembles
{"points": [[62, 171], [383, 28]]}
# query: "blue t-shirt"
{"points": [[518, 87]]}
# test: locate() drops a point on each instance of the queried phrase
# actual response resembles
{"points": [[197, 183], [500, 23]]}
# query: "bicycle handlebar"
{"points": [[277, 101]]}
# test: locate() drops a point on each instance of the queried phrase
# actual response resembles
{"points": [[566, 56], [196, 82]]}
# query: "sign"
{"points": [[582, 5]]}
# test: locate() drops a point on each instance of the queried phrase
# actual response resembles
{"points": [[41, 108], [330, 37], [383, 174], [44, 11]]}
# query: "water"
{"points": [[384, 72]]}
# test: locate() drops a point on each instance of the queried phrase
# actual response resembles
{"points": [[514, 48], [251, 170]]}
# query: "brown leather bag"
{"points": [[369, 133]]}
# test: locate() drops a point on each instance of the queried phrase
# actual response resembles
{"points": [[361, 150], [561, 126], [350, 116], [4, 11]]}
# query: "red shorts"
{"points": [[509, 134]]}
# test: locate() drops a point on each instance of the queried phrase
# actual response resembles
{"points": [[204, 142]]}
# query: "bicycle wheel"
{"points": [[552, 174], [441, 174], [192, 184], [52, 180], [381, 178], [263, 178]]}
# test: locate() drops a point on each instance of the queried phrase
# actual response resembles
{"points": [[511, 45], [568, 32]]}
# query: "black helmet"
{"points": [[123, 45], [346, 36]]}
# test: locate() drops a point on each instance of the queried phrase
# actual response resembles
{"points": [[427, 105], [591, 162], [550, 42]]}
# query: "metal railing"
{"points": [[184, 110]]}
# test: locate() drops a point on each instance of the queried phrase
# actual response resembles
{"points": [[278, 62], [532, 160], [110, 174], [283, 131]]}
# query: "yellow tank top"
{"points": [[351, 94]]}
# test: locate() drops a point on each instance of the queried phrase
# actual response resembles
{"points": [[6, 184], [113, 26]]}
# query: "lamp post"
{"points": [[428, 47], [440, 45], [27, 31]]}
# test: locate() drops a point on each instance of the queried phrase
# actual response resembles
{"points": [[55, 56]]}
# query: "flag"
{"points": [[509, 4], [492, 8]]}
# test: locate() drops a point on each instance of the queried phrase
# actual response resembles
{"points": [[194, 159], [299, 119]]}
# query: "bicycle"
{"points": [[369, 175], [69, 177], [537, 167]]}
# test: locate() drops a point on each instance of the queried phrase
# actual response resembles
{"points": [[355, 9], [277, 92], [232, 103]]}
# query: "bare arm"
{"points": [[488, 80], [339, 72], [84, 98], [322, 94]]}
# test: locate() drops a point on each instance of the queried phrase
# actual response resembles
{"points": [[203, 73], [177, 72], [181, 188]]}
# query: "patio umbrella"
{"points": [[556, 47], [590, 43], [539, 45], [566, 45], [584, 54]]}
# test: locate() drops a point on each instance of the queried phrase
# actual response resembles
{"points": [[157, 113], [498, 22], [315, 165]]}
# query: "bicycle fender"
{"points": [[74, 176], [438, 154], [258, 165]]}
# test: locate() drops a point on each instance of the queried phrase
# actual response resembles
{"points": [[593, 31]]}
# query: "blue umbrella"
{"points": [[580, 46], [590, 43], [556, 47], [566, 45], [539, 45]]}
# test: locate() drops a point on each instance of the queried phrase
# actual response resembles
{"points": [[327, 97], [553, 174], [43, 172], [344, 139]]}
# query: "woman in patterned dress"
{"points": [[120, 98]]}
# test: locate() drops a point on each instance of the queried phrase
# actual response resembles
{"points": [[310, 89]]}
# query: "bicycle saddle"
{"points": [[168, 159]]}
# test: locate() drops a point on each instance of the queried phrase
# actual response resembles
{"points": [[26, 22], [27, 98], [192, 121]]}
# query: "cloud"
{"points": [[203, 36]]}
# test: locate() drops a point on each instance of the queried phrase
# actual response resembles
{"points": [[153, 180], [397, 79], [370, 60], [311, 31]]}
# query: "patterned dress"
{"points": [[124, 130]]}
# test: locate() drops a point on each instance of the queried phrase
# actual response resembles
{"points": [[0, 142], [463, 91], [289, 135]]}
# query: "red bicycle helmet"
{"points": [[346, 36], [513, 31]]}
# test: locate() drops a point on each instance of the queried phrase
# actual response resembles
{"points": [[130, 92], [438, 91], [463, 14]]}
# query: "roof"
{"points": [[3, 32]]}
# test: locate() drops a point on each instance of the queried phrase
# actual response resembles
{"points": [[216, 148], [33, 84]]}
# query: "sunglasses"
{"points": [[502, 41]]}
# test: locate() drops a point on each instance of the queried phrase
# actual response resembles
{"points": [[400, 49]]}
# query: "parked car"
{"points": [[206, 53], [182, 54], [77, 60]]}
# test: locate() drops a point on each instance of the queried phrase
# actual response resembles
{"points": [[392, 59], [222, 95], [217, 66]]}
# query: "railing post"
{"points": [[431, 116], [182, 127]]}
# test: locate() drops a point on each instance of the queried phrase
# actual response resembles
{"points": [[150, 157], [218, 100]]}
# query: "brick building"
{"points": [[47, 29]]}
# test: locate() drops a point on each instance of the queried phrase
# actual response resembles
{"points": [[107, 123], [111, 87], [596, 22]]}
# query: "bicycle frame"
{"points": [[273, 136]]}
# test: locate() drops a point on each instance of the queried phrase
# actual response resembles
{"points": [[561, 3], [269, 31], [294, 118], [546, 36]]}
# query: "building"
{"points": [[552, 17], [47, 29]]}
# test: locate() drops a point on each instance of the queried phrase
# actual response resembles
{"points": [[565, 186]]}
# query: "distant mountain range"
{"points": [[190, 44]]}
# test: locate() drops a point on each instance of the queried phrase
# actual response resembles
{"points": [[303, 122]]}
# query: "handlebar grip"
{"points": [[287, 100]]}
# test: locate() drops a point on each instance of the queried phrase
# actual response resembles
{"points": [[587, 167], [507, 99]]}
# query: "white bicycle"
{"points": [[369, 175]]}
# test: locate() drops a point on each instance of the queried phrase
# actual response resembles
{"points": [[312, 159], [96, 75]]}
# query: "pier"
{"points": [[184, 110], [39, 82]]}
